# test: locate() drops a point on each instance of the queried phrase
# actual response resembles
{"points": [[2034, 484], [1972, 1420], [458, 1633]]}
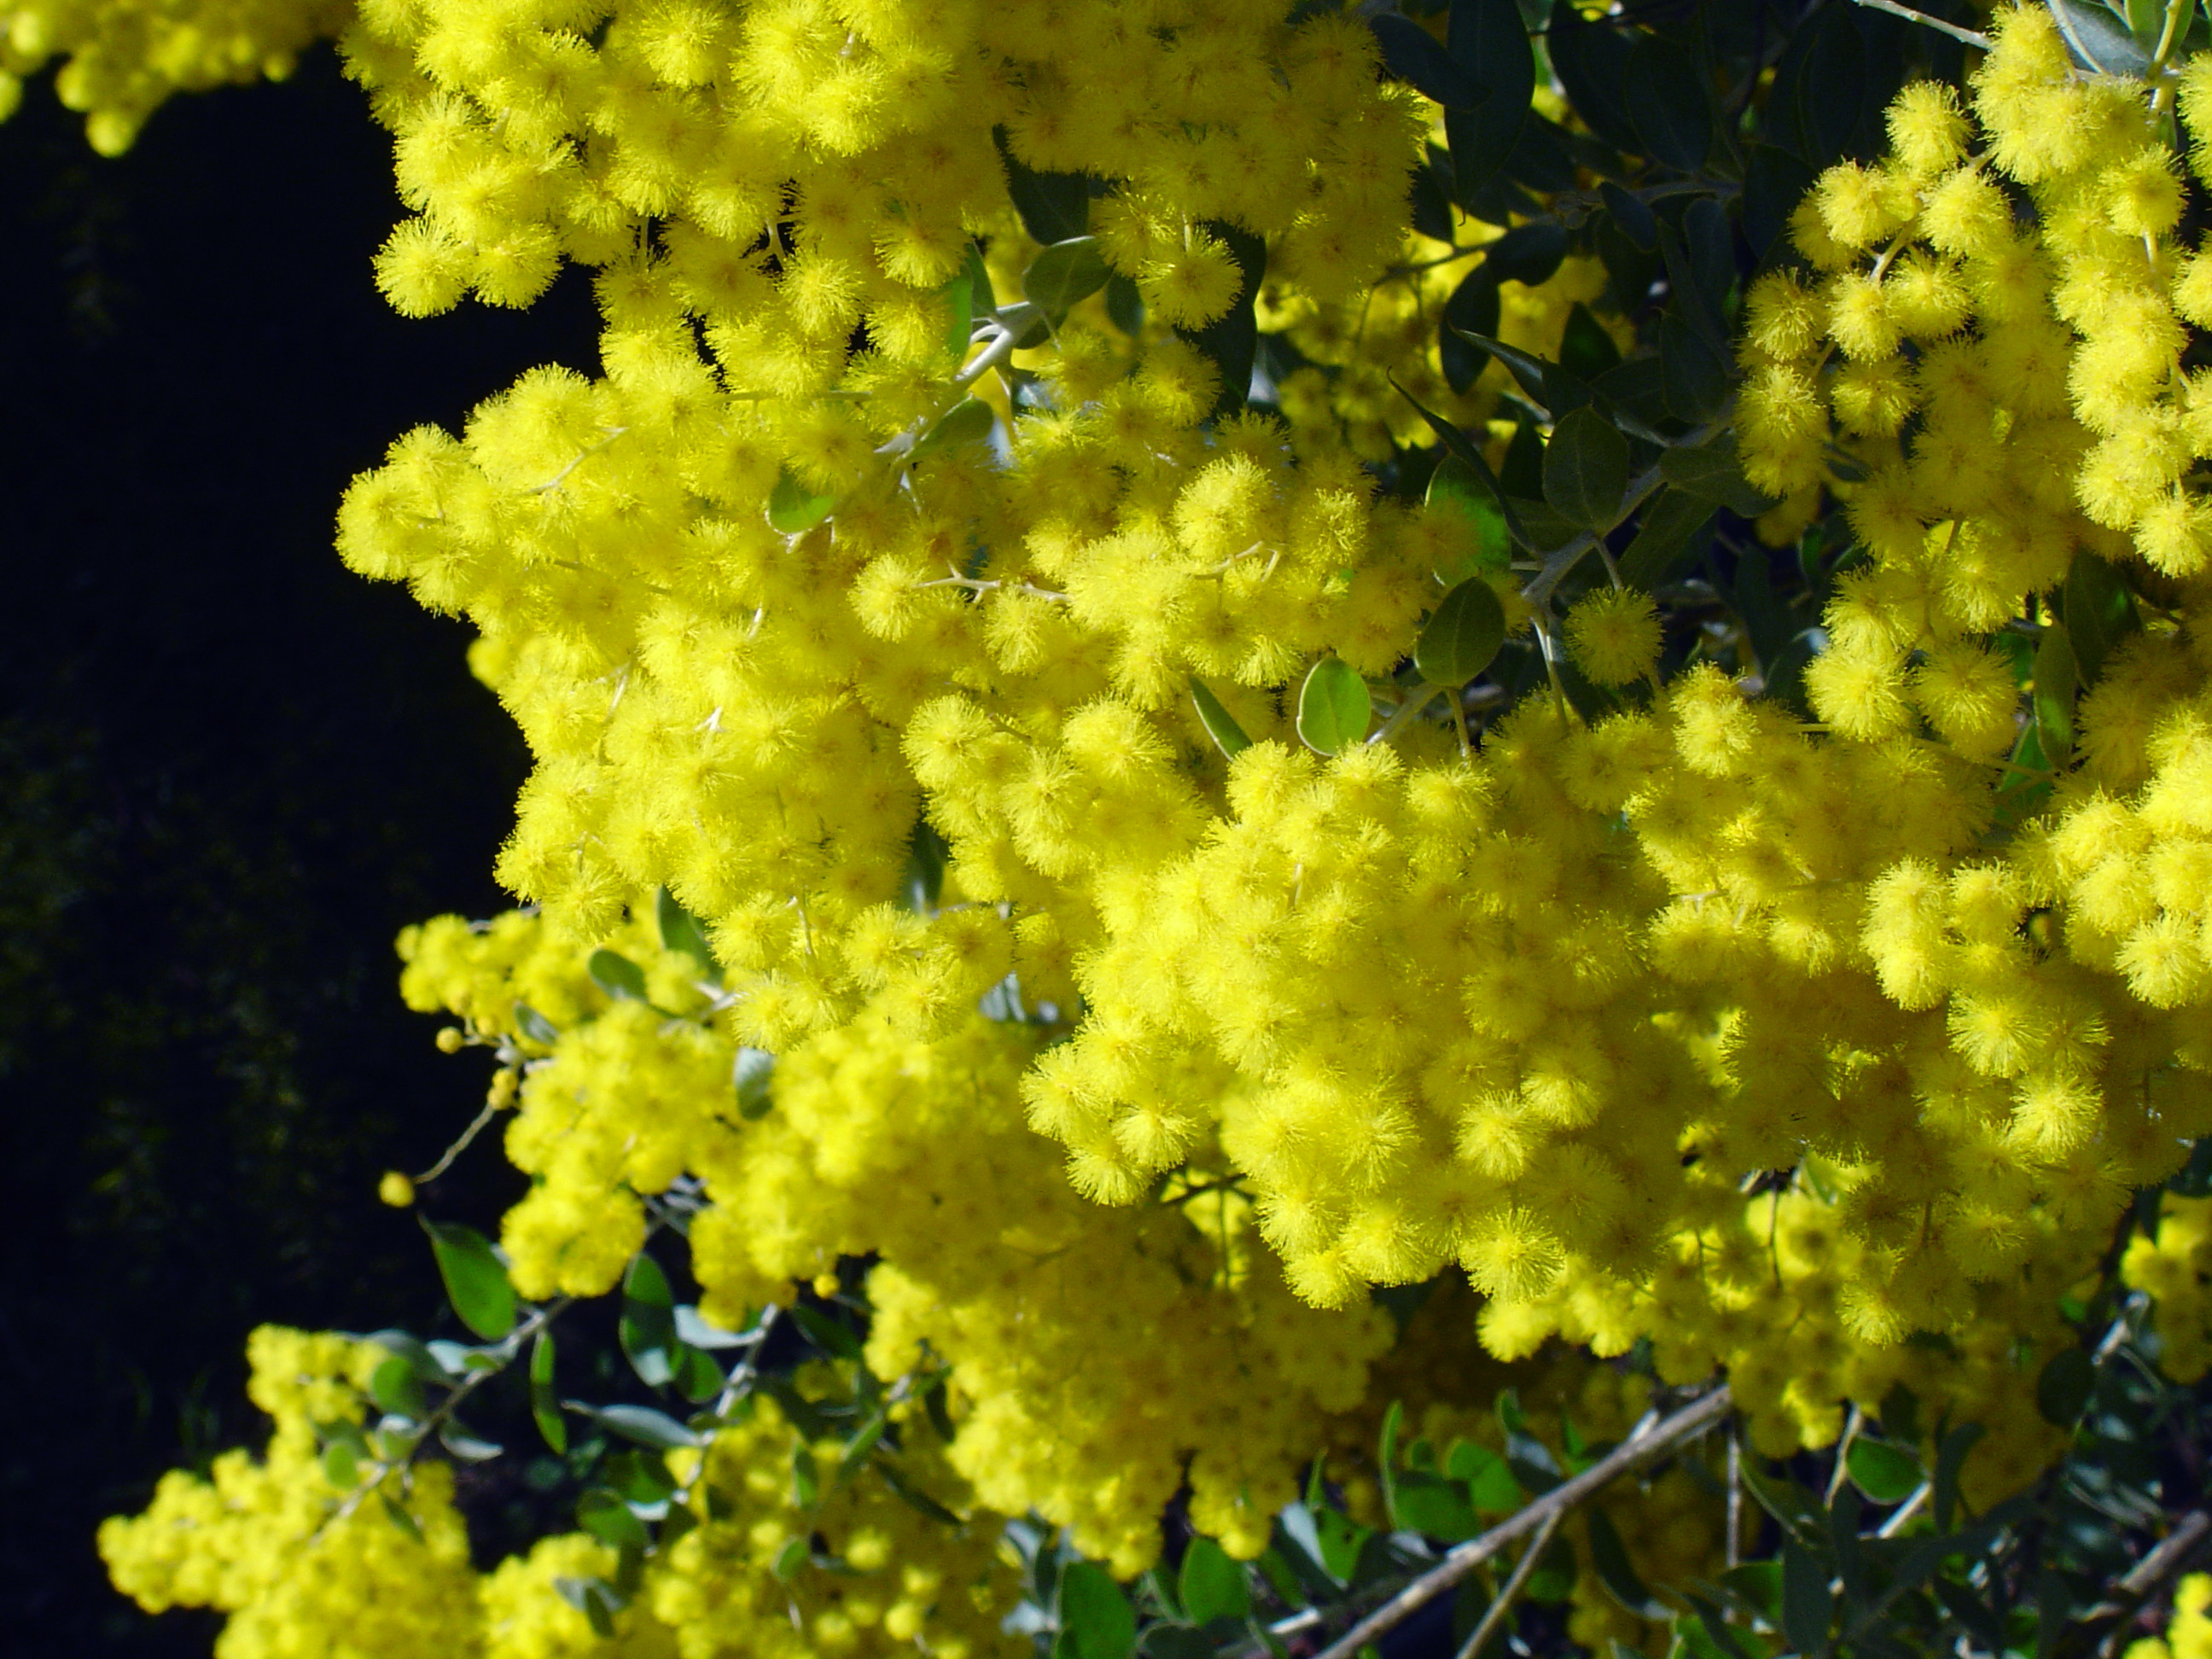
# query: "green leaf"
{"points": [[959, 296], [1489, 1480], [1801, 1516], [970, 420], [1211, 1585], [1713, 472], [468, 1446], [476, 1279], [641, 1424], [752, 1073], [1457, 445], [682, 932], [1386, 1459], [596, 1599], [1054, 206], [1950, 1458], [1457, 496], [394, 1385], [805, 1479], [416, 1353], [1437, 1508], [1064, 274], [895, 1478], [2098, 40], [790, 1559], [1334, 706], [1414, 56], [1462, 634], [698, 1378], [1609, 1556], [1231, 341], [544, 1406], [1633, 215], [618, 976], [534, 1026], [2099, 613], [1527, 254], [2055, 681], [1489, 41], [1586, 350], [794, 507], [1696, 373], [399, 1518], [341, 1466], [1586, 469], [826, 1334], [1591, 61], [1670, 103], [1885, 1471], [1227, 737], [1094, 1613], [1555, 388], [1808, 1605], [647, 1329], [2063, 1387]]}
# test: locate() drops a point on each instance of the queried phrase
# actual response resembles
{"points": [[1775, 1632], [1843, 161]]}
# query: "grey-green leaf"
{"points": [[544, 1406], [1808, 1605], [395, 1387], [618, 976], [1334, 706], [754, 1069], [2063, 1387], [1462, 635], [1586, 469], [1614, 1569], [682, 932], [604, 1516], [1096, 1614], [2098, 40], [1456, 495], [2057, 678], [967, 421], [475, 1278], [1064, 274], [641, 1424], [1220, 725], [794, 507], [647, 1329], [1211, 1585], [1885, 1471], [1669, 102], [1418, 58], [2099, 613]]}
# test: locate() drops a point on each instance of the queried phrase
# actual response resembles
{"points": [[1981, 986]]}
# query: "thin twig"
{"points": [[459, 1146], [2103, 1622], [1494, 1614], [1968, 36], [1692, 1421]]}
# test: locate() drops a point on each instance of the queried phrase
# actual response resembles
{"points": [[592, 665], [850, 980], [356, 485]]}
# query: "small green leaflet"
{"points": [[959, 296], [641, 1424], [751, 1073], [618, 976], [1211, 1585], [794, 507], [647, 1330], [1610, 1557], [544, 1408], [1586, 469], [965, 423], [2063, 1387], [1456, 494], [1462, 636], [1227, 737], [1334, 706], [681, 932], [1884, 1471], [476, 1279], [1096, 1618], [2055, 681], [395, 1387], [1064, 274]]}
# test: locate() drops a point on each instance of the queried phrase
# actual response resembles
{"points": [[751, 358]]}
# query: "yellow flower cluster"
{"points": [[262, 1541], [2189, 1632], [125, 58], [2174, 1270], [305, 1567]]}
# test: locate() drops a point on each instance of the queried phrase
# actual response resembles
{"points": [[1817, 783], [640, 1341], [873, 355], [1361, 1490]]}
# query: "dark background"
{"points": [[230, 771]]}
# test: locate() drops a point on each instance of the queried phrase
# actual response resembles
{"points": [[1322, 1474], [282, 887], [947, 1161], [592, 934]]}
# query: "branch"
{"points": [[1687, 1423], [1968, 36], [2103, 1622], [1494, 1615]]}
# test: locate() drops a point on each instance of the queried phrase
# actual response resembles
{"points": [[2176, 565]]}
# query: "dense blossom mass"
{"points": [[1827, 1052]]}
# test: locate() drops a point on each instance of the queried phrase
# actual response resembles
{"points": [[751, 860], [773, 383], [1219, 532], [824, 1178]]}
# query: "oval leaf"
{"points": [[1489, 41], [647, 1330], [965, 423], [1670, 103], [1096, 1614], [1221, 726], [1609, 1556], [395, 1387], [683, 932], [1063, 274], [1586, 469], [1418, 58], [641, 1424], [794, 507], [1457, 496], [1463, 635], [1334, 706], [544, 1406], [618, 976], [754, 1068], [1211, 1585], [2062, 1389], [1884, 1471], [476, 1279], [604, 1516]]}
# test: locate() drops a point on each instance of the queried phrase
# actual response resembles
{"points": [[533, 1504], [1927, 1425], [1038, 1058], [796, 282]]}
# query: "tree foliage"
{"points": [[1320, 756]]}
